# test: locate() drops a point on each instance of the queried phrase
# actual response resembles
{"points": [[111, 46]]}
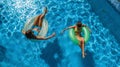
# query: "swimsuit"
{"points": [[78, 31]]}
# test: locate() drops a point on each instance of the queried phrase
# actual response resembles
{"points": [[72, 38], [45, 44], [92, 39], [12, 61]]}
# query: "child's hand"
{"points": [[53, 34], [90, 30], [62, 31]]}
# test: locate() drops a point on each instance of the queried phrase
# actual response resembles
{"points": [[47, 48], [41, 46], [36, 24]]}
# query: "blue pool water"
{"points": [[17, 51]]}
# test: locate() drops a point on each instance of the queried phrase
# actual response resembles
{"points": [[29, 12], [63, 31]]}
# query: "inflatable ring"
{"points": [[43, 30], [86, 35]]}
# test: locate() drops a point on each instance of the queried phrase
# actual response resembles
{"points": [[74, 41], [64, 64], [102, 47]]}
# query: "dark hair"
{"points": [[30, 35], [79, 24]]}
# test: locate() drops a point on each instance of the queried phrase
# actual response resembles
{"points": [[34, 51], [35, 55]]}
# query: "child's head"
{"points": [[79, 24]]}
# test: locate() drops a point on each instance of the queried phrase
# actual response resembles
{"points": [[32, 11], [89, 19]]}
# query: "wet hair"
{"points": [[30, 35], [79, 24]]}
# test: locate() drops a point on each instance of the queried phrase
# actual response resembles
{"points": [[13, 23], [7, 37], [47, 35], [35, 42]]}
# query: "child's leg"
{"points": [[42, 17], [81, 44], [39, 19], [36, 20]]}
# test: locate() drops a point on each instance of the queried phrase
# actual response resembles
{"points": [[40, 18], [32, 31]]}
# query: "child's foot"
{"points": [[83, 55], [45, 10]]}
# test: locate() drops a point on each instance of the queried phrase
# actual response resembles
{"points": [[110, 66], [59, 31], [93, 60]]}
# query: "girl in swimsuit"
{"points": [[37, 23], [78, 30]]}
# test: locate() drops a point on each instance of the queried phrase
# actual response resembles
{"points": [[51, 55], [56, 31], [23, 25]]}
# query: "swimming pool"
{"points": [[17, 51]]}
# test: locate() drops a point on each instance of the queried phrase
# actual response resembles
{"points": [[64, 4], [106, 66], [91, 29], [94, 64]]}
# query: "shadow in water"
{"points": [[2, 53], [52, 54], [88, 61]]}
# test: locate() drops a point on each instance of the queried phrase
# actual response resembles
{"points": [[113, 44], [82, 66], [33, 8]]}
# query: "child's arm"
{"points": [[67, 28]]}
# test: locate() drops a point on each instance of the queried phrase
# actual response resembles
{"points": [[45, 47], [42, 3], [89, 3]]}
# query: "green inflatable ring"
{"points": [[86, 35]]}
